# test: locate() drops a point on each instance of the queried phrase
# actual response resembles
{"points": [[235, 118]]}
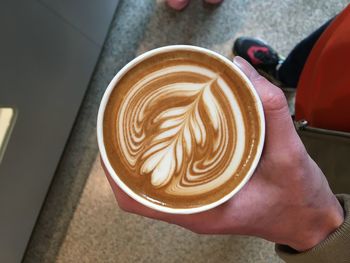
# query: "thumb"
{"points": [[279, 125]]}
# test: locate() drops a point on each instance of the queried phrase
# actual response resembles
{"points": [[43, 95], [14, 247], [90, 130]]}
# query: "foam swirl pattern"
{"points": [[178, 134], [176, 147]]}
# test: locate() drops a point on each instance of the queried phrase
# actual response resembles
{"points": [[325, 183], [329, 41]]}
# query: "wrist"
{"points": [[317, 226]]}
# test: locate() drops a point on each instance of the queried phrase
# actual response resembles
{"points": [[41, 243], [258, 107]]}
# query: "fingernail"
{"points": [[237, 60]]}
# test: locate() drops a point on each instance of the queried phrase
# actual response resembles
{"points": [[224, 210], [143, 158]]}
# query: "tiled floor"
{"points": [[80, 221]]}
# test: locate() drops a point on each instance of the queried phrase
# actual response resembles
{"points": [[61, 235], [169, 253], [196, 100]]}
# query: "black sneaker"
{"points": [[259, 54]]}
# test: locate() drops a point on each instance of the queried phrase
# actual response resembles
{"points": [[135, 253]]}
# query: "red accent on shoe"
{"points": [[251, 52]]}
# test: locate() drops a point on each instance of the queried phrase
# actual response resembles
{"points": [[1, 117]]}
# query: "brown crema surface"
{"points": [[199, 142]]}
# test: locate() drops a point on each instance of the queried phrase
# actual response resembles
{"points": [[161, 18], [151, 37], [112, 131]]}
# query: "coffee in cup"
{"points": [[181, 129]]}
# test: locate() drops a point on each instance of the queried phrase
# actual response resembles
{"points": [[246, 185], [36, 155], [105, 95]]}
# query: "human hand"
{"points": [[181, 4], [287, 200]]}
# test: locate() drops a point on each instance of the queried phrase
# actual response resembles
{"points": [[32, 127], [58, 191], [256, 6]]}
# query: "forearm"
{"points": [[334, 248]]}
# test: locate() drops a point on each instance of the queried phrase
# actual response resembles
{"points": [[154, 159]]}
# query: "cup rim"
{"points": [[102, 149]]}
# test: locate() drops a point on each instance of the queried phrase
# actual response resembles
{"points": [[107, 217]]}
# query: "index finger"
{"points": [[128, 204]]}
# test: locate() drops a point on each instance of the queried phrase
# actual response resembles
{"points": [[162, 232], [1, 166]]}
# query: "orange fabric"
{"points": [[323, 92]]}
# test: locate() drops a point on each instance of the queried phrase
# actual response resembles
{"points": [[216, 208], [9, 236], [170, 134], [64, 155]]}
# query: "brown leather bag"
{"points": [[331, 151]]}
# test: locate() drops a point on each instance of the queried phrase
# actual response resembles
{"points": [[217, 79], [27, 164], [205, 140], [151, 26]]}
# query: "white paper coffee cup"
{"points": [[101, 144]]}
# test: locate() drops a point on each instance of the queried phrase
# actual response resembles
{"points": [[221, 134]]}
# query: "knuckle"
{"points": [[272, 97], [275, 99], [294, 158], [295, 163], [125, 208], [297, 153], [193, 227], [199, 231]]}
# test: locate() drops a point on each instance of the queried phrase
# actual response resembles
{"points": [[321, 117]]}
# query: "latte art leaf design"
{"points": [[181, 131], [185, 137]]}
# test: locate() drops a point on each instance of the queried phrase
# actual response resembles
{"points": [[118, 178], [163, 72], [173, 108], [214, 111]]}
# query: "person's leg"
{"points": [[264, 58], [291, 68]]}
